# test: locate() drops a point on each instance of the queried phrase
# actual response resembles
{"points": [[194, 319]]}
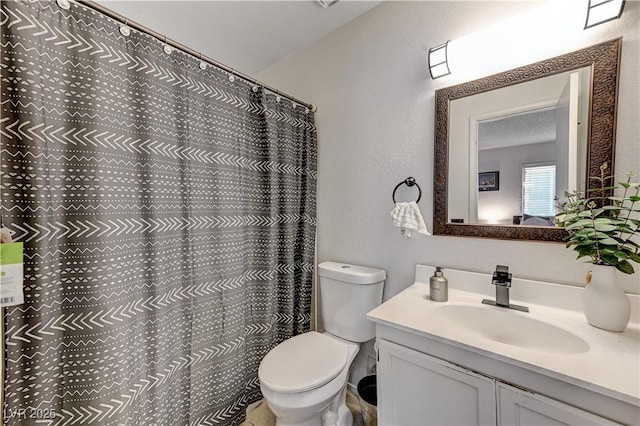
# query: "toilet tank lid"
{"points": [[352, 274]]}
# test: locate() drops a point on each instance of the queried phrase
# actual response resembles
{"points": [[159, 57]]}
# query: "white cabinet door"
{"points": [[415, 389], [523, 408]]}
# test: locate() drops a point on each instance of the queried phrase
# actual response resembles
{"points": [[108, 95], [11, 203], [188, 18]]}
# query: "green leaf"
{"points": [[585, 233], [608, 241], [614, 252], [621, 255], [604, 220], [625, 267], [586, 250], [584, 243], [609, 259], [580, 224], [605, 228]]}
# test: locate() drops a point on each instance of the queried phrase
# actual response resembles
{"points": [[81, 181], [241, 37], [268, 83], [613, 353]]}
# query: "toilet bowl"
{"points": [[304, 379]]}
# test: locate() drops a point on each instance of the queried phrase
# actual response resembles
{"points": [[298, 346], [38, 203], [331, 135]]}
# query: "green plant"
{"points": [[604, 227]]}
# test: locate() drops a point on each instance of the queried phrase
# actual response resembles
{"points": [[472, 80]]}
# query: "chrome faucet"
{"points": [[502, 280]]}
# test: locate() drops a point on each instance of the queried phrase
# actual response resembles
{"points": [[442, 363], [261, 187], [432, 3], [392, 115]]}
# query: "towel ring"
{"points": [[409, 182]]}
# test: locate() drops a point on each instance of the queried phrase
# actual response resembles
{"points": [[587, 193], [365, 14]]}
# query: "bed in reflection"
{"points": [[528, 220]]}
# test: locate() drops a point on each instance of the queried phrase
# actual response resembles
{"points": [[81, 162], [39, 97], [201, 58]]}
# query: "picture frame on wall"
{"points": [[489, 181]]}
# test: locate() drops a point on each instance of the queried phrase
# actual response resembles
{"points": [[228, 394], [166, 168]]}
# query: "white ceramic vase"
{"points": [[606, 306]]}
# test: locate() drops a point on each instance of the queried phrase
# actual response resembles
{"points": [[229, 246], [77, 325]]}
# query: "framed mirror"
{"points": [[506, 145]]}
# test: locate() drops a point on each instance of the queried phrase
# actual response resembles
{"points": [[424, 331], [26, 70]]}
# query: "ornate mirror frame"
{"points": [[604, 60]]}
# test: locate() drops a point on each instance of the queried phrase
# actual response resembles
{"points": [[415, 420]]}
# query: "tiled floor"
{"points": [[262, 416]]}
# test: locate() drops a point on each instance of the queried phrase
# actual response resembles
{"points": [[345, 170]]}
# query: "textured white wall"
{"points": [[375, 116]]}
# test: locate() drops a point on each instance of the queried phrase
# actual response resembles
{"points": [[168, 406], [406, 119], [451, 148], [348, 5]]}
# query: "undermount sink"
{"points": [[511, 328]]}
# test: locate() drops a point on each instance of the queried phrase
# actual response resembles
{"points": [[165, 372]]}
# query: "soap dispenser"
{"points": [[438, 286]]}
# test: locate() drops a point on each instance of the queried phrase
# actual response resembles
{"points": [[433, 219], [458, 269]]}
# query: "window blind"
{"points": [[538, 190]]}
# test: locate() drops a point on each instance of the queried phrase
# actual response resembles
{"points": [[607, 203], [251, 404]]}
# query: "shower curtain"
{"points": [[168, 216]]}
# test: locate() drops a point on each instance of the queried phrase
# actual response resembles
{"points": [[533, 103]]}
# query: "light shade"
{"points": [[327, 3], [600, 11], [438, 65]]}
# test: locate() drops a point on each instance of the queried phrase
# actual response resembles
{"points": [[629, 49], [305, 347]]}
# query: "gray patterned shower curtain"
{"points": [[168, 216]]}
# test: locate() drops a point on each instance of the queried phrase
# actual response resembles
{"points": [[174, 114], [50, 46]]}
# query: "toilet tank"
{"points": [[347, 293]]}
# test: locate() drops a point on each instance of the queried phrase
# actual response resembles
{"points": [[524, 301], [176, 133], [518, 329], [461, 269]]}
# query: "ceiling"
{"points": [[245, 35], [537, 126]]}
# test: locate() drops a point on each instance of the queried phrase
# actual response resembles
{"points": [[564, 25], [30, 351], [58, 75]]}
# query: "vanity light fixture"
{"points": [[600, 11], [438, 66]]}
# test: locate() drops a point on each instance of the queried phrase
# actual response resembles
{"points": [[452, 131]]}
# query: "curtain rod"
{"points": [[199, 55]]}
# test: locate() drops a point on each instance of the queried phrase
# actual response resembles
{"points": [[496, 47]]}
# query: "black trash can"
{"points": [[367, 393]]}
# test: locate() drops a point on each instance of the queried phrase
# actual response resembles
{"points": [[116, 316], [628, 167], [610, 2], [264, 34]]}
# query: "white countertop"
{"points": [[610, 365]]}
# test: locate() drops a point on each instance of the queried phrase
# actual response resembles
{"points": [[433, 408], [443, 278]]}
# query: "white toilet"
{"points": [[304, 379]]}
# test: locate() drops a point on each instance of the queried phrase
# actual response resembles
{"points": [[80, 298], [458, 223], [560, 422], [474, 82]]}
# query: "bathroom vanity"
{"points": [[462, 362]]}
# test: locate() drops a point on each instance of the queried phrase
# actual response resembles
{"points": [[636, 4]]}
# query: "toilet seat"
{"points": [[303, 362]]}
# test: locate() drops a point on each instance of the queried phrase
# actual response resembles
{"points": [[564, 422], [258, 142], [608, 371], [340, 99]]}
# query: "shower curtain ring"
{"points": [[278, 98], [167, 49], [232, 77], [124, 29], [203, 64], [64, 4]]}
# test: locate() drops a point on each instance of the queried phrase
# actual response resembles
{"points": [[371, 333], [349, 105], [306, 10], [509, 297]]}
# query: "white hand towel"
{"points": [[408, 218]]}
